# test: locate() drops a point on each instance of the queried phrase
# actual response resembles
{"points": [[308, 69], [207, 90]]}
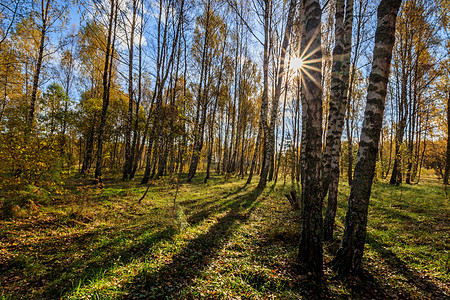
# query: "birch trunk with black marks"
{"points": [[310, 254], [336, 94], [349, 256], [280, 153], [338, 104], [265, 96]]}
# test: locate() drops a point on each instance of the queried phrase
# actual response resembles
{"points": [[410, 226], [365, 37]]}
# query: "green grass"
{"points": [[221, 240]]}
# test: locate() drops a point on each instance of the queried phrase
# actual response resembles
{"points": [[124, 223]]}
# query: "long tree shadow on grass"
{"points": [[188, 264], [67, 261], [204, 210], [423, 284], [64, 263], [195, 204], [139, 249]]}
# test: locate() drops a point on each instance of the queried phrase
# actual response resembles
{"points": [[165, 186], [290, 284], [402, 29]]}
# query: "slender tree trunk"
{"points": [[337, 97], [213, 118], [350, 253], [169, 139], [225, 145], [241, 163], [219, 142], [391, 142], [265, 95], [396, 177], [184, 137], [447, 161], [211, 134], [89, 148], [283, 124], [270, 147], [163, 71], [202, 103], [136, 155], [337, 123], [106, 86], [349, 124], [349, 146], [310, 255], [128, 166], [37, 72], [299, 157], [255, 154]]}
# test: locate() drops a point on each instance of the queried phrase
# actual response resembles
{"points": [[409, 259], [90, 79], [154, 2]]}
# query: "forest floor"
{"points": [[220, 240]]}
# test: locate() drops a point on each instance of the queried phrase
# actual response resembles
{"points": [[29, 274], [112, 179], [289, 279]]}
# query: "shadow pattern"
{"points": [[171, 279]]}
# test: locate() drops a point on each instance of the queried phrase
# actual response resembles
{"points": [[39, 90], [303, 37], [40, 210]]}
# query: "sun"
{"points": [[296, 63]]}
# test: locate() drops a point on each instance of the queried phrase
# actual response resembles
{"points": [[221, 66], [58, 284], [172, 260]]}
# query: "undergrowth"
{"points": [[222, 239]]}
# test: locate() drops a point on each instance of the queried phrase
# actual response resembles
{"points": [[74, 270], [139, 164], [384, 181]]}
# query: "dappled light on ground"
{"points": [[221, 240]]}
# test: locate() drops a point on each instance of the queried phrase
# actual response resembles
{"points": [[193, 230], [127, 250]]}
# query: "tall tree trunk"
{"points": [[280, 153], [169, 139], [219, 142], [349, 123], [163, 71], [336, 120], [241, 163], [45, 18], [109, 56], [128, 166], [310, 254], [202, 102], [213, 117], [255, 154], [135, 153], [183, 146], [265, 95], [338, 88], [447, 160], [89, 148], [350, 253], [225, 145], [299, 157], [270, 147], [349, 145], [396, 177], [157, 94]]}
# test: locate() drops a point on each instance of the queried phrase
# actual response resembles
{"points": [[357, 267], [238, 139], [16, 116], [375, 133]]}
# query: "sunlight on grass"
{"points": [[224, 240]]}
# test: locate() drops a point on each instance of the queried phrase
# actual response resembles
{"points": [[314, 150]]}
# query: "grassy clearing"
{"points": [[220, 240]]}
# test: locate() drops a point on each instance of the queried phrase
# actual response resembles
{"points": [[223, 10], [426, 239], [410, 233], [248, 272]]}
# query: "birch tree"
{"points": [[270, 145], [127, 169], [106, 82], [349, 256], [45, 15], [310, 250], [338, 103]]}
